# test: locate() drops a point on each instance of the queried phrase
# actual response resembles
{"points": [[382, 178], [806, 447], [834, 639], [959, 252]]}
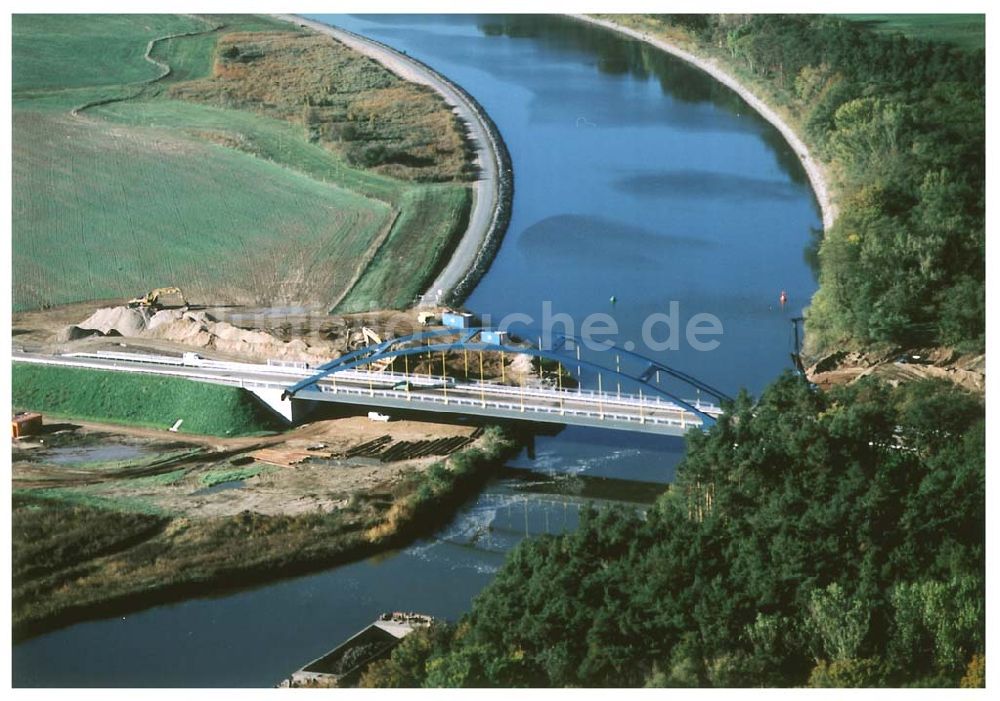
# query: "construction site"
{"points": [[314, 466], [188, 467]]}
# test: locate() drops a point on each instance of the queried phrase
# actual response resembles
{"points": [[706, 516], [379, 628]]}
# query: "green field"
{"points": [[132, 223], [965, 31], [139, 400], [63, 51], [137, 190]]}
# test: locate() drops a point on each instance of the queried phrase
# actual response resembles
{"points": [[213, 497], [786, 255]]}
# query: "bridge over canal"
{"points": [[651, 409]]}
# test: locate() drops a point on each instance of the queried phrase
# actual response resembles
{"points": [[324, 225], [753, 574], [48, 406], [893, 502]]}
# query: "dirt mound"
{"points": [[189, 330], [126, 321], [74, 333], [199, 330], [164, 316]]}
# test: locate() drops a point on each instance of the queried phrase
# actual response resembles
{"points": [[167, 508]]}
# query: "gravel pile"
{"points": [[126, 321], [198, 330]]}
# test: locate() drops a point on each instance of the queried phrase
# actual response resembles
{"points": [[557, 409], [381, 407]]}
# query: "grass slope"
{"points": [[139, 400], [433, 219], [232, 205]]}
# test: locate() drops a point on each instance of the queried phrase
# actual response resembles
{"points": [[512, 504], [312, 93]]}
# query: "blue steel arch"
{"points": [[386, 350], [652, 366]]}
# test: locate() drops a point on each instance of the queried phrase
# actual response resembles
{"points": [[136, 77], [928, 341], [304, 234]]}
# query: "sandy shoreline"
{"points": [[487, 198], [813, 170]]}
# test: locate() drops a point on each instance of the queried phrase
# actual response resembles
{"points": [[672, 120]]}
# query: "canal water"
{"points": [[638, 178]]}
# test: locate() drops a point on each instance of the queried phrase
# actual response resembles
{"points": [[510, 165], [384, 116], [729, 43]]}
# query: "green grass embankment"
{"points": [[432, 221], [139, 400]]}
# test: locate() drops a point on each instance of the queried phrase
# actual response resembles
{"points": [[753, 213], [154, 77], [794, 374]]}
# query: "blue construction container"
{"points": [[493, 337], [457, 320]]}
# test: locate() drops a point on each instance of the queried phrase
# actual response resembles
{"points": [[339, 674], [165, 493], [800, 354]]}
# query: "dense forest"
{"points": [[830, 539], [811, 538], [901, 126]]}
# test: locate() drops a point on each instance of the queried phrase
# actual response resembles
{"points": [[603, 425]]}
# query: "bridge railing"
{"points": [[682, 421], [623, 398]]}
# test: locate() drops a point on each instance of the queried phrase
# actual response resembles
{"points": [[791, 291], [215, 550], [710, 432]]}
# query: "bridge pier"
{"points": [[292, 411], [271, 398]]}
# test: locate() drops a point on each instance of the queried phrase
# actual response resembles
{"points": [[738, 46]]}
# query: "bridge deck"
{"points": [[568, 407]]}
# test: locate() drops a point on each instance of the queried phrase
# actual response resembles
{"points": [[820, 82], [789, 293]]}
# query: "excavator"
{"points": [[372, 338], [151, 300]]}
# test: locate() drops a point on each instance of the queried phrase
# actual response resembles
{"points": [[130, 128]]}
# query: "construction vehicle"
{"points": [[426, 318], [151, 300], [373, 338]]}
